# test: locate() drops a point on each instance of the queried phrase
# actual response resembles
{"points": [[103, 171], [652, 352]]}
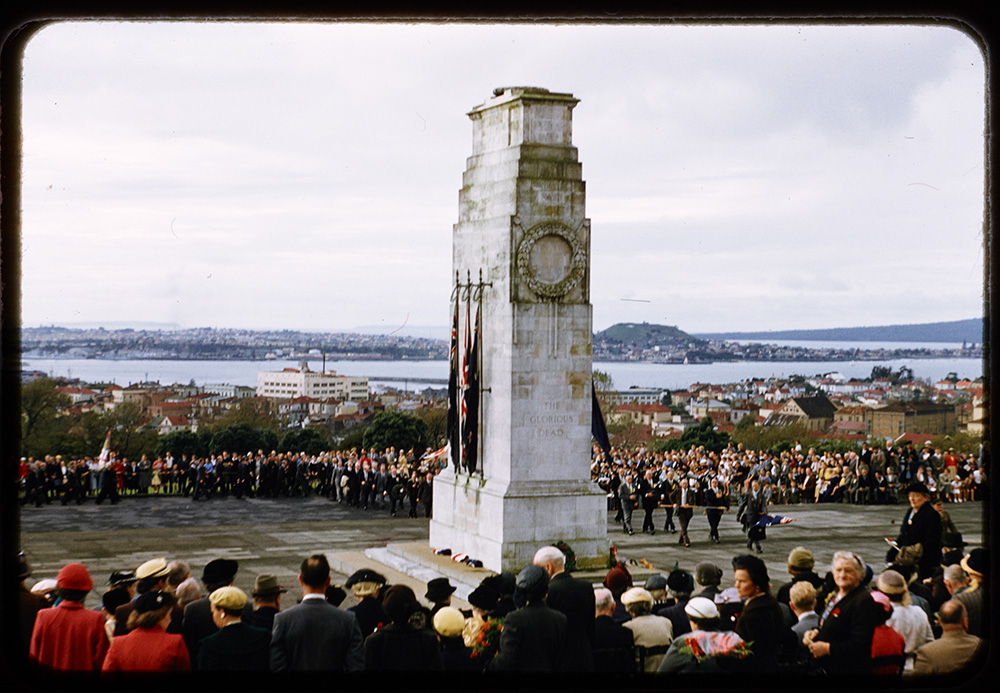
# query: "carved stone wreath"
{"points": [[552, 259]]}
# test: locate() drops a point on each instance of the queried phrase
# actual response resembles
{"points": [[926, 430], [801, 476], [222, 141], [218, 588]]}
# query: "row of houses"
{"points": [[847, 409]]}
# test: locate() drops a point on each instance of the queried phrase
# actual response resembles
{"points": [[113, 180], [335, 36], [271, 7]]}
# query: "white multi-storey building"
{"points": [[302, 382]]}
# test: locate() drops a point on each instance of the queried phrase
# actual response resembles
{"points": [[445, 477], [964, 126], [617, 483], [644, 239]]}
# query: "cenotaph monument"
{"points": [[523, 234]]}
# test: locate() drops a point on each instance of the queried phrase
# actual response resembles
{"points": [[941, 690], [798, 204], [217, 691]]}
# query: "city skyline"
{"points": [[306, 176]]}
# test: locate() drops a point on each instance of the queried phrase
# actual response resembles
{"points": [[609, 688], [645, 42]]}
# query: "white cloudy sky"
{"points": [[306, 176]]}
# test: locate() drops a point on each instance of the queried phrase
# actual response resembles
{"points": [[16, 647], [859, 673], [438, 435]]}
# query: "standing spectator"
{"points": [[976, 565], [151, 576], [614, 646], [802, 600], [236, 646], [439, 591], [148, 647], [919, 539], [681, 585], [908, 620], [533, 636], [366, 584], [401, 646], [198, 622], [425, 493], [575, 599], [709, 577], [315, 635], [760, 620], [456, 656], [266, 601], [69, 637], [29, 602]]}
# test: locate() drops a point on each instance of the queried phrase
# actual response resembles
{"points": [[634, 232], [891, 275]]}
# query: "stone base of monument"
{"points": [[504, 524]]}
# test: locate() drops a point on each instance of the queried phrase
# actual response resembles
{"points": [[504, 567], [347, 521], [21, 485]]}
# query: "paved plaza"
{"points": [[272, 536]]}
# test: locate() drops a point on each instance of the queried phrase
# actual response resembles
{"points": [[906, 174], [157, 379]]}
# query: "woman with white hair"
{"points": [[843, 641]]}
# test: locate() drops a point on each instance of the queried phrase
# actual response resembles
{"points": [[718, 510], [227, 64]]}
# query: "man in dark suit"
{"points": [[198, 622], [614, 647], [236, 646], [533, 637], [266, 600], [575, 599], [316, 635]]}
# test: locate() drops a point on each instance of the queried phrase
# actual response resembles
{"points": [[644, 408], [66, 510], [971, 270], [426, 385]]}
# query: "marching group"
{"points": [[365, 479], [158, 618]]}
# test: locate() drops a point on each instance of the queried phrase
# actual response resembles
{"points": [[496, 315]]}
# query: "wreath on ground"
{"points": [[568, 553]]}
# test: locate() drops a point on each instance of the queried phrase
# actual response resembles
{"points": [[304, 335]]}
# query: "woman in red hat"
{"points": [[69, 637]]}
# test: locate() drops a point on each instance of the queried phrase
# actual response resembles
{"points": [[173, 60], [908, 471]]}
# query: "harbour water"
{"points": [[413, 375]]}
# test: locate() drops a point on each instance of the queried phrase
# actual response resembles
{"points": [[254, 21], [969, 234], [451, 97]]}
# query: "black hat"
{"points": [[399, 602], [335, 595], [365, 575], [917, 487], [484, 597], [439, 589], [114, 598], [151, 601], [122, 577], [680, 581], [953, 540], [221, 570]]}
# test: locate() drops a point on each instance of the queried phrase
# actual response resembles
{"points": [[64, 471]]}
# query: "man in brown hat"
{"points": [[266, 601], [151, 576], [69, 637]]}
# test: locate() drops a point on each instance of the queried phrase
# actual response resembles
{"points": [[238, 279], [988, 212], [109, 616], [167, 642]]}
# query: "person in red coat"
{"points": [[148, 646], [69, 637]]}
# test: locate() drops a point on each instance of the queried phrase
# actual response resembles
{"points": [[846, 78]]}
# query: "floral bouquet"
{"points": [[487, 642], [701, 645]]}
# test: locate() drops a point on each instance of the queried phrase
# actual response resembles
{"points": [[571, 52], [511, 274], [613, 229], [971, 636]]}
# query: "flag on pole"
{"points": [[470, 429], [465, 383], [453, 426], [597, 427], [105, 451]]}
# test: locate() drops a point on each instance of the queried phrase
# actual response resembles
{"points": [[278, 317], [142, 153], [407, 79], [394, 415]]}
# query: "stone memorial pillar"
{"points": [[522, 223]]}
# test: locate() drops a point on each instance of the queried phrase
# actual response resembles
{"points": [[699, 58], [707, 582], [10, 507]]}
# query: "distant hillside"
{"points": [[970, 331], [643, 333]]}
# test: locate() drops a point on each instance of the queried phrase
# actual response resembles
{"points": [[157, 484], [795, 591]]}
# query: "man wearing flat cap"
{"points": [[919, 540], [198, 622], [236, 646], [266, 601], [151, 576], [69, 637]]}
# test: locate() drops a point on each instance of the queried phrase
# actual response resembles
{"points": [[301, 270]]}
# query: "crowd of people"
{"points": [[681, 482], [158, 618], [365, 479]]}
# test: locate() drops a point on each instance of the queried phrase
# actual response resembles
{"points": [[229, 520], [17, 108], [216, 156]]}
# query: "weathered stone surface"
{"points": [[522, 222]]}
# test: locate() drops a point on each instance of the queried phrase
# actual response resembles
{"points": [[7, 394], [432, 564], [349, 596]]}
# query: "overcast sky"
{"points": [[306, 176]]}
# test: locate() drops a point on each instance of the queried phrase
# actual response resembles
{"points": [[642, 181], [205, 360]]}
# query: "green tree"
{"points": [[241, 438], [395, 429], [40, 425], [85, 435], [351, 441], [436, 420], [308, 440], [127, 437], [256, 412], [183, 443]]}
